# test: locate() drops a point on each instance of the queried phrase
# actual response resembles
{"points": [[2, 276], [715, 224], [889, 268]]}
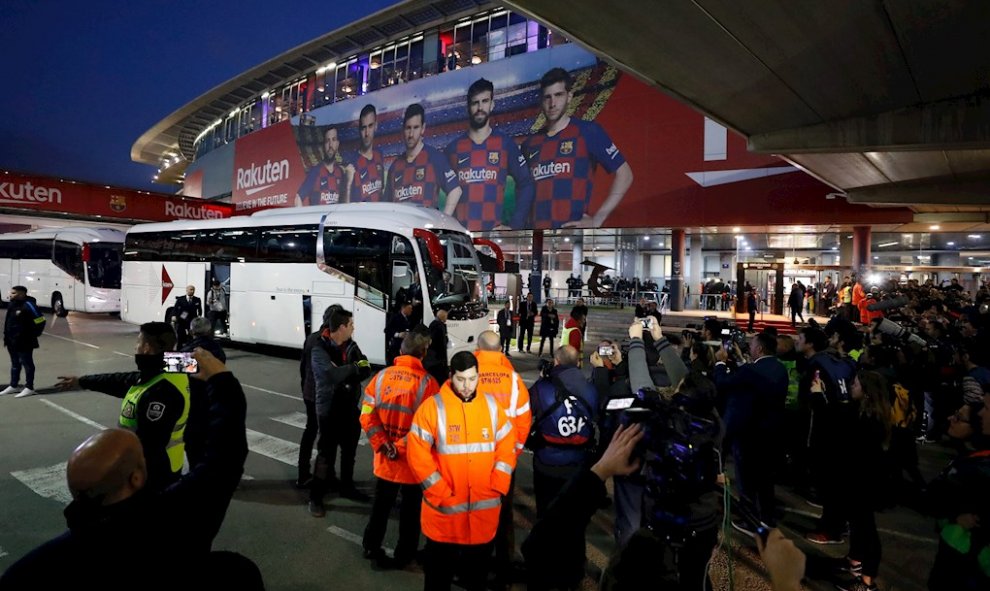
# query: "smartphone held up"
{"points": [[180, 362]]}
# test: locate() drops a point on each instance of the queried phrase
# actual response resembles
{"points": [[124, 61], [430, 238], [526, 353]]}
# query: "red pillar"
{"points": [[861, 248]]}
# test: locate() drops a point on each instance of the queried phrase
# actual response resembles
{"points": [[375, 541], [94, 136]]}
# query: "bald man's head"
{"points": [[566, 355], [107, 468], [489, 341]]}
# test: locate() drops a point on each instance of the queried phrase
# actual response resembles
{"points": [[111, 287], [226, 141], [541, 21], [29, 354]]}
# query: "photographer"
{"points": [[631, 567]]}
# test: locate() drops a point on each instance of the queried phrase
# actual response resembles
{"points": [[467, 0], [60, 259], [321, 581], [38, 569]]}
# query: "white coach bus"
{"points": [[68, 269], [281, 268]]}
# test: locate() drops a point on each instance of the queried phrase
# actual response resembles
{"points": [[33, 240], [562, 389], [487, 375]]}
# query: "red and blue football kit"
{"points": [[482, 170], [369, 177], [322, 186], [562, 166], [419, 182]]}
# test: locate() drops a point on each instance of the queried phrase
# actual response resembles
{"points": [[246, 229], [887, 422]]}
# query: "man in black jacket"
{"points": [[506, 326], [396, 328], [185, 309], [19, 336], [201, 331], [308, 386], [527, 319], [549, 325], [436, 357], [338, 367], [123, 534], [755, 394], [156, 403]]}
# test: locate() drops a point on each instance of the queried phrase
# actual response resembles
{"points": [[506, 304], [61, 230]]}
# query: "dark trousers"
{"points": [[386, 492], [506, 334], [864, 541], [443, 561], [197, 423], [755, 464], [218, 320], [527, 329], [546, 487], [796, 312], [307, 441], [341, 429], [826, 476], [545, 339], [752, 319], [17, 359], [505, 535]]}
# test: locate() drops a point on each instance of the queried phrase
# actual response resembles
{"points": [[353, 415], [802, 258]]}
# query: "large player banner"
{"points": [[550, 139]]}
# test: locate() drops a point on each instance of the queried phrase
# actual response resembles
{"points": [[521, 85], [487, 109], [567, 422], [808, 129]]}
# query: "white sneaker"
{"points": [[25, 393], [9, 390]]}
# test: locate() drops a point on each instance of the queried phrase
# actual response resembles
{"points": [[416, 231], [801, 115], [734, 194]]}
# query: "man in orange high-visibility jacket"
{"points": [[858, 296], [497, 377], [461, 447], [390, 400]]}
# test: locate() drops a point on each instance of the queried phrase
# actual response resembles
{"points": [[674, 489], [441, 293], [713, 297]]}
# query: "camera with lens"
{"points": [[545, 365], [895, 330], [678, 451]]}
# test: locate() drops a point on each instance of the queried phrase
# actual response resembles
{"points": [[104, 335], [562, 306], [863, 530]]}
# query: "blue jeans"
{"points": [[17, 359]]}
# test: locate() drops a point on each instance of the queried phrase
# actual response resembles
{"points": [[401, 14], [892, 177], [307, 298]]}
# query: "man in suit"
{"points": [[754, 396], [395, 330], [185, 309], [506, 327], [527, 318], [436, 356]]}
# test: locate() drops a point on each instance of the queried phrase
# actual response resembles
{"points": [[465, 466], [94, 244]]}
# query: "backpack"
{"points": [[579, 417], [902, 411], [38, 321]]}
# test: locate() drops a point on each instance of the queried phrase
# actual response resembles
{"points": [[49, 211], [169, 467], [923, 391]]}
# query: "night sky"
{"points": [[83, 80]]}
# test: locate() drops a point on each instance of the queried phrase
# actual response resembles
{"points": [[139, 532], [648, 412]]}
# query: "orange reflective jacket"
{"points": [[497, 377], [390, 400], [463, 454]]}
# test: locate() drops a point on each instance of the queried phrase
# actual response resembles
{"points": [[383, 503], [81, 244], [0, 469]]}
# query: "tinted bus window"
{"points": [[288, 244], [67, 257], [103, 265]]}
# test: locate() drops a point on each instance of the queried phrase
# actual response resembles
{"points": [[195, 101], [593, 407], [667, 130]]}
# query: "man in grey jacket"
{"points": [[338, 367]]}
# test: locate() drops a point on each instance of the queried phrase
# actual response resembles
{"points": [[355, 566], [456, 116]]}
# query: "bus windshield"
{"points": [[460, 287], [103, 266]]}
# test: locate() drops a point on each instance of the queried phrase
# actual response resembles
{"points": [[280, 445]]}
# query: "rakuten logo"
{"points": [[372, 187], [11, 193], [473, 175], [408, 192], [186, 211], [549, 169], [258, 178]]}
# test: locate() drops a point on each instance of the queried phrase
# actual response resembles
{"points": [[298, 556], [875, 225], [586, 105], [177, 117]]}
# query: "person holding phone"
{"points": [[156, 402]]}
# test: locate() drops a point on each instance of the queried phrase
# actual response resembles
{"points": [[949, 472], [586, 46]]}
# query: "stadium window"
{"points": [[416, 59]]}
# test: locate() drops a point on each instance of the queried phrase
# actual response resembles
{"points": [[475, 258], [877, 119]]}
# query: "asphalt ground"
{"points": [[268, 520]]}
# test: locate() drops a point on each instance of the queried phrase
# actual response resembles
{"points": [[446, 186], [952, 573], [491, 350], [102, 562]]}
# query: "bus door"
{"points": [[195, 276]]}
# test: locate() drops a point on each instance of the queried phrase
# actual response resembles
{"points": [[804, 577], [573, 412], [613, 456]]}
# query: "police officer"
{"points": [[156, 403]]}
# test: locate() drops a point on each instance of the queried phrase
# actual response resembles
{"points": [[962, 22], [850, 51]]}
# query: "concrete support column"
{"points": [[536, 269], [677, 253], [577, 256], [861, 249], [697, 271]]}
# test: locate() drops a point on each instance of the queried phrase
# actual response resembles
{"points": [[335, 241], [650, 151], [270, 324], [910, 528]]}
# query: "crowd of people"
{"points": [[836, 412]]}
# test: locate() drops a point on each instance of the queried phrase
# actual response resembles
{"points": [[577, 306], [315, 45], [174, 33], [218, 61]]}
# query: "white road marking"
{"points": [[352, 537], [74, 415], [293, 419], [891, 532], [3, 553], [123, 354], [271, 392], [273, 447], [46, 482], [55, 336], [298, 420]]}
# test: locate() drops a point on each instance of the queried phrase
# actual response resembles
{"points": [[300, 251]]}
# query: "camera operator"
{"points": [[565, 410], [755, 394], [571, 512], [679, 505]]}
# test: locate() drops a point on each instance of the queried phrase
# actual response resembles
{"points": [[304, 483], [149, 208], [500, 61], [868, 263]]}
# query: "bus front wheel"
{"points": [[59, 306]]}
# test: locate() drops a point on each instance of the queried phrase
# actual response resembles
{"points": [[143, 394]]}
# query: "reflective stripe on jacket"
{"points": [[176, 447], [390, 400], [463, 455], [497, 378]]}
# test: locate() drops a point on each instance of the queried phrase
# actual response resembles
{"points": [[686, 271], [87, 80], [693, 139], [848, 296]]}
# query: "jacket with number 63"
{"points": [[463, 455], [390, 400]]}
